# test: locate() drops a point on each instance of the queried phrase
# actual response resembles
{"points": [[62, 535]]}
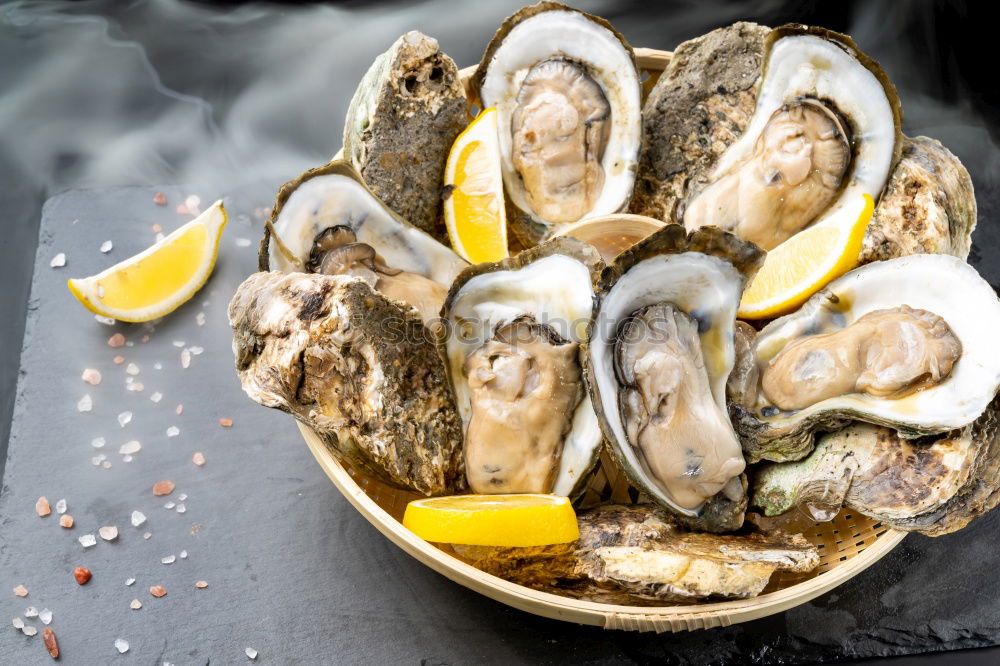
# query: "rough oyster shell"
{"points": [[357, 368], [551, 283], [702, 274], [637, 555], [940, 284], [932, 485], [595, 52], [400, 125]]}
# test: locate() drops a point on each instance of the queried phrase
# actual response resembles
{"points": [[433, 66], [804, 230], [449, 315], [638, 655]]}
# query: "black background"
{"points": [[237, 99]]}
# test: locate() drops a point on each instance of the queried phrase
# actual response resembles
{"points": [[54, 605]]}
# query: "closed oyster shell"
{"points": [[402, 121], [356, 367], [637, 555], [928, 206], [933, 485]]}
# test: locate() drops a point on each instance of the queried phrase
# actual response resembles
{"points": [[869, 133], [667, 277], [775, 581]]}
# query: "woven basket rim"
{"points": [[639, 618]]}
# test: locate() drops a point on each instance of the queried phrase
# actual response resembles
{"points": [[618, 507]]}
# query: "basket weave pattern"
{"points": [[847, 545]]}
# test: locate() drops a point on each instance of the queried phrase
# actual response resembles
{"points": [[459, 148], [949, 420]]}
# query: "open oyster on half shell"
{"points": [[567, 94], [514, 341], [327, 221], [765, 132], [907, 343], [660, 354]]}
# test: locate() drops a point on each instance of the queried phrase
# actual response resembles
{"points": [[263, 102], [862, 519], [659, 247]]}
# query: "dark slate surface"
{"points": [[293, 570]]}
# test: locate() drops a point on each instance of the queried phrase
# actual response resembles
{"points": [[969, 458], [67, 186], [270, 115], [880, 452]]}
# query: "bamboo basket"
{"points": [[848, 544]]}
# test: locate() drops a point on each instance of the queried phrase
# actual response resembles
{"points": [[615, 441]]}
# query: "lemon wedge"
{"points": [[806, 262], [474, 211], [159, 279], [493, 520]]}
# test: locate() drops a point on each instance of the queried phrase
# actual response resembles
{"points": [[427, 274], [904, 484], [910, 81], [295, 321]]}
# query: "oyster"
{"points": [[660, 355], [636, 554], [906, 343], [328, 221], [514, 340], [766, 132], [400, 125], [933, 485], [357, 368], [567, 95], [928, 206]]}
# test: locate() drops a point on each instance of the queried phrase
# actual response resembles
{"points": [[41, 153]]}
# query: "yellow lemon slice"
{"points": [[806, 262], [493, 520], [159, 279], [474, 210]]}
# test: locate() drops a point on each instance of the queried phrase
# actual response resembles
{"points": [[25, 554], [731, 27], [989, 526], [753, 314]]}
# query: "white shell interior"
{"points": [[807, 65], [942, 284], [332, 199], [557, 291], [705, 287], [570, 34]]}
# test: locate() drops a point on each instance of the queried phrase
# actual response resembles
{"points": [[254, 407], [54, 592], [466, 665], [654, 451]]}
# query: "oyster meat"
{"points": [[933, 485], [328, 221], [404, 116], [905, 343], [356, 367], [660, 355], [567, 95], [637, 555], [515, 332], [766, 132]]}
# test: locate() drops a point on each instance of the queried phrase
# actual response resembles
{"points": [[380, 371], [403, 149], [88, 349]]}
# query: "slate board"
{"points": [[293, 570]]}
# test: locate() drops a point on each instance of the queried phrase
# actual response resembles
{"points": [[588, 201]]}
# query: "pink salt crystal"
{"points": [[198, 458], [182, 210], [118, 360], [145, 339], [42, 507], [21, 591], [160, 199], [157, 228], [91, 376], [116, 340], [179, 410]]}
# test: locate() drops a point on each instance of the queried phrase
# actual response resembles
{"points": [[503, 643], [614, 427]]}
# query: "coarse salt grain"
{"points": [[178, 343], [138, 518], [21, 591], [193, 202], [118, 360], [108, 532], [182, 497], [18, 623], [124, 418], [198, 458], [127, 459], [87, 540], [169, 559], [58, 261], [185, 358], [130, 447], [251, 653], [116, 340], [132, 369], [45, 615], [98, 442], [181, 508], [135, 605], [121, 645], [173, 431], [184, 554], [66, 521], [179, 409], [242, 242], [157, 366], [156, 397], [200, 319], [30, 611], [129, 581], [61, 506], [196, 350], [85, 404], [106, 246], [29, 631], [42, 507], [146, 535], [169, 505], [106, 464], [91, 376], [98, 459], [135, 387], [159, 237]]}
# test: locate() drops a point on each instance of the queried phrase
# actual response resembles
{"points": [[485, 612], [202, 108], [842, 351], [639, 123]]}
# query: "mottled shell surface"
{"points": [[400, 126], [356, 367]]}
